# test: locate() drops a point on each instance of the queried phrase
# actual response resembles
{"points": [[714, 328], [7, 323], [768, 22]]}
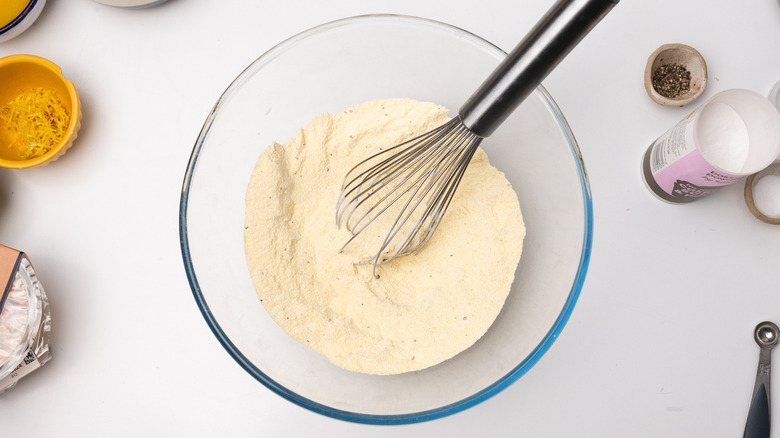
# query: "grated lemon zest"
{"points": [[37, 121]]}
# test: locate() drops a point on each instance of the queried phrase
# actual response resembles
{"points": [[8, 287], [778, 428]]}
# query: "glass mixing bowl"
{"points": [[328, 69]]}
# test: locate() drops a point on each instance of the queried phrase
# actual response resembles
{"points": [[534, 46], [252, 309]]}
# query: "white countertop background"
{"points": [[659, 344]]}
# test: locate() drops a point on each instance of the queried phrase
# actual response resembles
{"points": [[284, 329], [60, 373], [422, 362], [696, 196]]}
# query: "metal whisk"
{"points": [[416, 180]]}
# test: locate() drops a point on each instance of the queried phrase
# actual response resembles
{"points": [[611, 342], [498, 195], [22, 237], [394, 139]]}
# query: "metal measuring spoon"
{"points": [[766, 335]]}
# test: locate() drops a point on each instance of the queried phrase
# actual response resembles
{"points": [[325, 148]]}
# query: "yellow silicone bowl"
{"points": [[21, 73]]}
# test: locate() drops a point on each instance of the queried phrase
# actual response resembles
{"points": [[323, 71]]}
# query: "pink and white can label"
{"points": [[675, 169]]}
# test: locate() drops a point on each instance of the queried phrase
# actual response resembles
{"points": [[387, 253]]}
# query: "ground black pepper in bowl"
{"points": [[671, 80], [675, 75]]}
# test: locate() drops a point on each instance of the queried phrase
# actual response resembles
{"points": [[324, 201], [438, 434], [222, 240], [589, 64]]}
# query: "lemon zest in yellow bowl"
{"points": [[37, 121]]}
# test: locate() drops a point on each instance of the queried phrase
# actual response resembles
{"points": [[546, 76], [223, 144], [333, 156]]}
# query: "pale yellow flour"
{"points": [[424, 308]]}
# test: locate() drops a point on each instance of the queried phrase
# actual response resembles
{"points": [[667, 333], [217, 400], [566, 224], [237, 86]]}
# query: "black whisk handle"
{"points": [[550, 40]]}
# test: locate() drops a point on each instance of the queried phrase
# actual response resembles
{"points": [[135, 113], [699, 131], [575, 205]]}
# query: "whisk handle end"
{"points": [[550, 40]]}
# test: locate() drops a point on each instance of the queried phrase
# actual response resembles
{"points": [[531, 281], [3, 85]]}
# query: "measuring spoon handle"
{"points": [[757, 425]]}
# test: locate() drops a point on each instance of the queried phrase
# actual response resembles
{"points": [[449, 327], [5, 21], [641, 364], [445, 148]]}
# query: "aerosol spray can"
{"points": [[734, 134]]}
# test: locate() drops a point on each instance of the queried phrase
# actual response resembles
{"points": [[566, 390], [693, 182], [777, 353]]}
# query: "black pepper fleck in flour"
{"points": [[671, 80]]}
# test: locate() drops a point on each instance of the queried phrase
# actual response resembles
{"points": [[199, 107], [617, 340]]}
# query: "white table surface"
{"points": [[659, 344]]}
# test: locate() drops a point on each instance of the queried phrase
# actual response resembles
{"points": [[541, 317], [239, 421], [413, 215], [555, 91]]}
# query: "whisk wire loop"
{"points": [[378, 176], [438, 177], [420, 169], [436, 212], [416, 179]]}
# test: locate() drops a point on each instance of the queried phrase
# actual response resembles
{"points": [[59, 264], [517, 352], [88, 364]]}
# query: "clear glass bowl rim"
{"points": [[416, 417]]}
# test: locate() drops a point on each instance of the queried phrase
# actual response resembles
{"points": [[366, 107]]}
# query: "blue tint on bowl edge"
{"points": [[416, 417]]}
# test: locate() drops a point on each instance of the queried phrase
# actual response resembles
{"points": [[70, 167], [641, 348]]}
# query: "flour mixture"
{"points": [[423, 309]]}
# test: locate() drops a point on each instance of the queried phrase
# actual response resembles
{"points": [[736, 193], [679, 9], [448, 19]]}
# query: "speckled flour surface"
{"points": [[424, 308]]}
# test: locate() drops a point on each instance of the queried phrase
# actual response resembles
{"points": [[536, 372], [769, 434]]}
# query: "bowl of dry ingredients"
{"points": [[432, 333], [40, 113]]}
